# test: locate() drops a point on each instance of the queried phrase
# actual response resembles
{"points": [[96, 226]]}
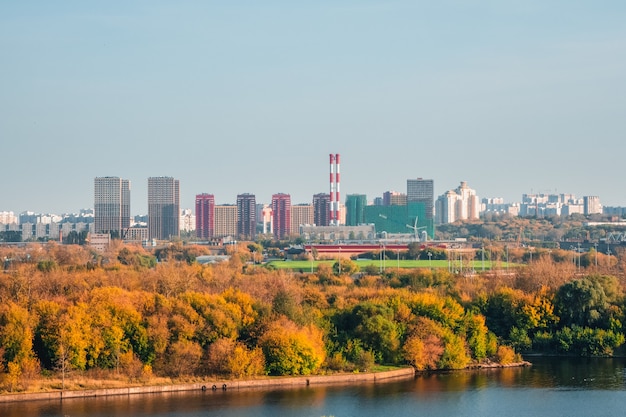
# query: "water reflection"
{"points": [[543, 389]]}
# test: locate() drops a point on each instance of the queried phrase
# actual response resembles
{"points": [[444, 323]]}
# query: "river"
{"points": [[567, 387]]}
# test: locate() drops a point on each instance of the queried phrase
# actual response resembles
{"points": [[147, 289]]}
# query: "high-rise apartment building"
{"points": [[421, 191], [592, 205], [420, 202], [163, 208], [459, 204], [246, 216], [111, 206], [301, 215], [469, 206], [205, 216], [355, 209], [321, 209], [281, 215], [226, 220], [445, 207]]}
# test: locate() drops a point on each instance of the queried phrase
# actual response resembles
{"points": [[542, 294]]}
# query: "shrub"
{"points": [[506, 355]]}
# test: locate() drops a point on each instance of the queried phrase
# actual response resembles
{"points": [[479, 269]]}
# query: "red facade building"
{"points": [[205, 216], [281, 215]]}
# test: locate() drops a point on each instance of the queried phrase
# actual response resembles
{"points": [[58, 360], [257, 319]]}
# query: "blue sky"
{"points": [[246, 96]]}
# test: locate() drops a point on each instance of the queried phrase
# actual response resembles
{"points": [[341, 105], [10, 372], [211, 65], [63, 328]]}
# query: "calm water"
{"points": [[551, 387]]}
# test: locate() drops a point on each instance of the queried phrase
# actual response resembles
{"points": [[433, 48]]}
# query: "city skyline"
{"points": [[131, 202], [389, 214], [370, 199], [512, 97]]}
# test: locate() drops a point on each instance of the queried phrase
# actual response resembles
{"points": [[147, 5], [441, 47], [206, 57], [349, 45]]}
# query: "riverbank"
{"points": [[223, 384], [214, 385], [552, 386]]}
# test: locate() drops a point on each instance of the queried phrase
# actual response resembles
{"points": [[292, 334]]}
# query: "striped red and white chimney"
{"points": [[337, 197], [332, 190]]}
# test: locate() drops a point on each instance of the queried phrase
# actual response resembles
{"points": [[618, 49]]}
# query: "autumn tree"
{"points": [[220, 317], [16, 339], [292, 350], [345, 267], [232, 358], [183, 358], [424, 346]]}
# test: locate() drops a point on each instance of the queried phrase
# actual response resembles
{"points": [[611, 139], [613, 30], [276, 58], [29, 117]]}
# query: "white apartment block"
{"points": [[559, 205], [592, 205], [459, 204], [187, 220], [27, 231], [8, 217]]}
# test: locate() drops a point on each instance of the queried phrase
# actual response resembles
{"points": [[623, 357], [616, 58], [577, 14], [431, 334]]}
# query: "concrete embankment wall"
{"points": [[299, 381]]}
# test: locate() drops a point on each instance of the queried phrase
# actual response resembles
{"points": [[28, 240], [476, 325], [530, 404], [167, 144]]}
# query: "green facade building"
{"points": [[409, 219], [355, 209]]}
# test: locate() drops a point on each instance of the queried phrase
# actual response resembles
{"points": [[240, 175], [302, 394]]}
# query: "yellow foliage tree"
{"points": [[424, 346], [292, 350], [229, 357], [16, 340]]}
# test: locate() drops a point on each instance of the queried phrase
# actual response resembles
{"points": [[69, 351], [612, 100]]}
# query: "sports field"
{"points": [[311, 266]]}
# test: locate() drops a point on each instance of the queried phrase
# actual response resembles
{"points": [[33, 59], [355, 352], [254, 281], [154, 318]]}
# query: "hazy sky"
{"points": [[512, 96]]}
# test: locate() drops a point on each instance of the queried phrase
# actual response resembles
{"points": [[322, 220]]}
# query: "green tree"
{"points": [[345, 267], [375, 326], [587, 302], [477, 335]]}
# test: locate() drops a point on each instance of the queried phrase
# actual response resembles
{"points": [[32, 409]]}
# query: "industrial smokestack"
{"points": [[337, 197], [332, 190]]}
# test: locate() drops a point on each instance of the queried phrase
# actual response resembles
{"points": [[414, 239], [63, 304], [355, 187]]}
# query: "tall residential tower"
{"points": [[421, 191], [111, 206], [321, 209], [420, 200], [246, 216], [281, 215], [163, 208], [205, 216]]}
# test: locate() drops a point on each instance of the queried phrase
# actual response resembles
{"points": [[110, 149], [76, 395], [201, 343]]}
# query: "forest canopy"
{"points": [[67, 311]]}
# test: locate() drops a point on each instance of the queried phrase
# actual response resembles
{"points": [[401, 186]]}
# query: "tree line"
{"points": [[68, 311]]}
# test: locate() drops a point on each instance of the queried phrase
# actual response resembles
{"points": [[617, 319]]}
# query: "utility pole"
{"points": [[483, 257], [398, 259]]}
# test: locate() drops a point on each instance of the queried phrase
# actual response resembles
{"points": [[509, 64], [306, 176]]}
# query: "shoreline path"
{"points": [[220, 384]]}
